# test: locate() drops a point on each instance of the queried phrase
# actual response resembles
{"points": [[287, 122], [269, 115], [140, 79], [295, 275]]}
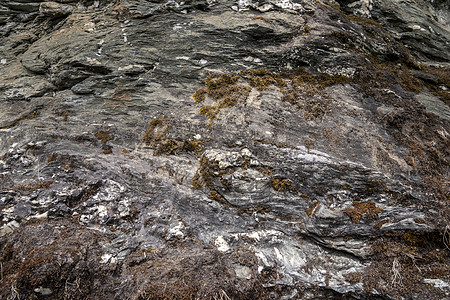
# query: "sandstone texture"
{"points": [[224, 149]]}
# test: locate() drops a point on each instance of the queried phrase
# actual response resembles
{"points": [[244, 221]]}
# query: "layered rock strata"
{"points": [[224, 150]]}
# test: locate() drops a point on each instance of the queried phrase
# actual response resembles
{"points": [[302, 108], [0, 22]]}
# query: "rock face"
{"points": [[423, 26], [224, 150]]}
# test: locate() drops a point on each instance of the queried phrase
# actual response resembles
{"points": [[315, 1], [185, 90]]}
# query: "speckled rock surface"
{"points": [[223, 150]]}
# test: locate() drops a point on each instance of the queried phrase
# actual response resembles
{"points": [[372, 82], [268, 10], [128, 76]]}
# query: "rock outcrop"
{"points": [[224, 150]]}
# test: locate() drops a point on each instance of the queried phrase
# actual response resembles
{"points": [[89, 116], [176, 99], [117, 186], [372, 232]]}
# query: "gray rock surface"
{"points": [[224, 150], [422, 26]]}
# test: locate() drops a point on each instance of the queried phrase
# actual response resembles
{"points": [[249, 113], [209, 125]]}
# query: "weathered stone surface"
{"points": [[222, 150], [423, 26]]}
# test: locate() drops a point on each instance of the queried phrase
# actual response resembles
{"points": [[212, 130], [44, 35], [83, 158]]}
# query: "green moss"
{"points": [[29, 116], [199, 95], [281, 185], [209, 111], [103, 136], [171, 146], [27, 188], [311, 210], [362, 20], [204, 174], [360, 208], [227, 102], [151, 135], [217, 87], [224, 90], [322, 80], [262, 79], [262, 19], [306, 30], [195, 146]]}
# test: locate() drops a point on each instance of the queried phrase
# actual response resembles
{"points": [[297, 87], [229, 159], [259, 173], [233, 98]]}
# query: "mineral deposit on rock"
{"points": [[224, 149]]}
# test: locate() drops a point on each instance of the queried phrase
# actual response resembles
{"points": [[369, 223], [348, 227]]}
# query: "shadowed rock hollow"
{"points": [[224, 150]]}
